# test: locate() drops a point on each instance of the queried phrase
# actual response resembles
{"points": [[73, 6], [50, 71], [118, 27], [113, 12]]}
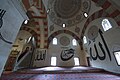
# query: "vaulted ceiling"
{"points": [[48, 16]]}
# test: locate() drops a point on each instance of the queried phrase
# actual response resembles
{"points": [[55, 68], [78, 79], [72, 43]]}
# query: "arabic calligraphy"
{"points": [[2, 12], [41, 55], [97, 54], [103, 57], [67, 54]]}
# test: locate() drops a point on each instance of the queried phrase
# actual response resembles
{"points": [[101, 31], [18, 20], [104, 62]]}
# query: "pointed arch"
{"points": [[108, 11], [33, 33], [36, 11], [66, 32]]}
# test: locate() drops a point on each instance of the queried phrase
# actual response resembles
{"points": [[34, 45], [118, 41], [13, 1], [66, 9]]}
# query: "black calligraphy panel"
{"points": [[67, 54], [2, 12], [41, 55], [100, 45]]}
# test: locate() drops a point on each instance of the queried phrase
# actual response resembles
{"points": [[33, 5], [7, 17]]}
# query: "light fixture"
{"points": [[85, 14], [26, 21], [63, 25]]}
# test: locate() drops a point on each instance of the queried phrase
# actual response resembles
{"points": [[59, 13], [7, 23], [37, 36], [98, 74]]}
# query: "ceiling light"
{"points": [[26, 21], [85, 14], [64, 25]]}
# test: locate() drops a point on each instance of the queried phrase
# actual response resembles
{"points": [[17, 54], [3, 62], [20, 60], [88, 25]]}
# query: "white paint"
{"points": [[10, 28], [111, 38]]}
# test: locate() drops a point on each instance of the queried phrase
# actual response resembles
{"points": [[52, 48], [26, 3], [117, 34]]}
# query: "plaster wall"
{"points": [[11, 22]]}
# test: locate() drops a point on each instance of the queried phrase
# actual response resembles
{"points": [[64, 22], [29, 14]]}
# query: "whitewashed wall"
{"points": [[55, 51], [112, 41], [12, 21]]}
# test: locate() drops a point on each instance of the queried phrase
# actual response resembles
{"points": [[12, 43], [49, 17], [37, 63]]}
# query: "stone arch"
{"points": [[108, 11], [33, 33], [112, 11], [67, 32], [36, 11]]}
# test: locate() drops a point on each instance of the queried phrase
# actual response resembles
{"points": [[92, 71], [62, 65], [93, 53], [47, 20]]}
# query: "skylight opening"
{"points": [[63, 25]]}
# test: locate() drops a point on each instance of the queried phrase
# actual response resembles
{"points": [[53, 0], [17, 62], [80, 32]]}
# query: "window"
{"points": [[76, 60], [33, 40], [48, 10], [29, 39], [53, 61], [26, 21], [117, 57], [106, 24], [84, 39], [54, 41], [74, 42], [85, 15], [64, 25]]}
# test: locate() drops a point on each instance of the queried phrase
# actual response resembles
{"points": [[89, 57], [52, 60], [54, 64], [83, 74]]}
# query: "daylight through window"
{"points": [[85, 39], [76, 60], [53, 61], [117, 56], [106, 24], [74, 42], [54, 41]]}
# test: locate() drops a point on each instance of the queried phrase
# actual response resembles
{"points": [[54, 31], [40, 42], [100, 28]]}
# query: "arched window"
{"points": [[74, 42], [106, 24], [84, 39], [54, 41]]}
